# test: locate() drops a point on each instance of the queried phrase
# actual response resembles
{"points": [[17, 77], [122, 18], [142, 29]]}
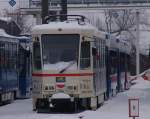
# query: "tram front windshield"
{"points": [[60, 52]]}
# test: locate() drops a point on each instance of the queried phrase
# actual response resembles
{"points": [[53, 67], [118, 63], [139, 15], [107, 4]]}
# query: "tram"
{"points": [[68, 64], [15, 67], [8, 67], [117, 66], [24, 67]]}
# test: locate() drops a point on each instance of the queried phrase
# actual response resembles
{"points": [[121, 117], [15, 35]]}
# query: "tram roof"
{"points": [[24, 39], [6, 37], [4, 34], [70, 27], [11, 38]]}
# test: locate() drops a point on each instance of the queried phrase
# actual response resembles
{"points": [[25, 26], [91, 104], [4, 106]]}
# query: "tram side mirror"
{"points": [[94, 51]]}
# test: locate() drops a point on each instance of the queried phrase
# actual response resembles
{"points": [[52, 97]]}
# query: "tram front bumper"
{"points": [[60, 99]]}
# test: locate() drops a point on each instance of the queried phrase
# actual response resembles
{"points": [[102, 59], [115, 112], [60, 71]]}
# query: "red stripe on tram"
{"points": [[53, 75]]}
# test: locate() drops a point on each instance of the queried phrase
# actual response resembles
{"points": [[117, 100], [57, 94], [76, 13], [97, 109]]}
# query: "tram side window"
{"points": [[14, 56], [85, 55], [113, 63], [103, 54], [1, 51], [6, 56], [128, 63], [36, 55], [2, 57], [122, 62], [10, 60]]}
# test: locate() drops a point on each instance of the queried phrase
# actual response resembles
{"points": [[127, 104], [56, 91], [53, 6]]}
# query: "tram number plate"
{"points": [[60, 79]]}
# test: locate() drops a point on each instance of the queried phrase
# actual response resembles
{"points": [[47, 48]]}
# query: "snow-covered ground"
{"points": [[114, 108]]}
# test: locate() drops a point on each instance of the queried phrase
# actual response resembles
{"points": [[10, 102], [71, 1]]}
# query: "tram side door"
{"points": [[96, 66]]}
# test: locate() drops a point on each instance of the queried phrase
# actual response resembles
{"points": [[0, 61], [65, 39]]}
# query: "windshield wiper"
{"points": [[70, 64]]}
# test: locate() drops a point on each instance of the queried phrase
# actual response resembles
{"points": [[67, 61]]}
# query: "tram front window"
{"points": [[60, 51]]}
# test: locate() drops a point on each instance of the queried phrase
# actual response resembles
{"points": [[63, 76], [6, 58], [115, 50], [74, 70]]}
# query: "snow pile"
{"points": [[62, 117], [117, 107], [141, 84]]}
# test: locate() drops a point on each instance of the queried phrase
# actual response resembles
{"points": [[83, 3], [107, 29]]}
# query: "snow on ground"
{"points": [[117, 107], [114, 108]]}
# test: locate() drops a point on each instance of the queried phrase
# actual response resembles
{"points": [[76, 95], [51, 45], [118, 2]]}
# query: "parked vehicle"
{"points": [[24, 67], [117, 66], [8, 67], [15, 67]]}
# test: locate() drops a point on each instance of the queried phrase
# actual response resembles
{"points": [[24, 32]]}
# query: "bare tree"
{"points": [[20, 19], [120, 22]]}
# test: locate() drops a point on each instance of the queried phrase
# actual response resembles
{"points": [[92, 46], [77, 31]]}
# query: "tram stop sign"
{"points": [[12, 3], [133, 108]]}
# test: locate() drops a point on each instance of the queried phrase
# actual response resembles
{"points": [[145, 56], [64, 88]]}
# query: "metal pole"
{"points": [[64, 10], [45, 6], [137, 43]]}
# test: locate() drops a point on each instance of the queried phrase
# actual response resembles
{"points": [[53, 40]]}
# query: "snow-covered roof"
{"points": [[3, 33], [116, 43], [57, 27], [7, 19], [7, 36]]}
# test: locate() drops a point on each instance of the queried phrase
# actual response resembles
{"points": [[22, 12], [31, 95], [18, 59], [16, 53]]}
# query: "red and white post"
{"points": [[133, 107]]}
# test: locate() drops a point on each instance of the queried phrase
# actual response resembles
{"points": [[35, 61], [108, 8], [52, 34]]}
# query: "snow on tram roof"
{"points": [[7, 36], [4, 34], [71, 26]]}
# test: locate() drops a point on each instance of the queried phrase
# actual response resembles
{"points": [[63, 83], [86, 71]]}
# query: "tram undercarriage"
{"points": [[68, 104]]}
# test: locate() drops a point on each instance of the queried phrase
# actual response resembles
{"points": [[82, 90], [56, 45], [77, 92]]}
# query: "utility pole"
{"points": [[45, 6], [137, 43], [63, 10]]}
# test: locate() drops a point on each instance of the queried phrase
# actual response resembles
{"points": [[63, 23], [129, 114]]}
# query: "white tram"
{"points": [[68, 64]]}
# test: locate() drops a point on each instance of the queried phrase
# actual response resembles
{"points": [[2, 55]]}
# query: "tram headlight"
{"points": [[49, 88], [37, 86], [75, 87], [46, 87], [72, 88]]}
